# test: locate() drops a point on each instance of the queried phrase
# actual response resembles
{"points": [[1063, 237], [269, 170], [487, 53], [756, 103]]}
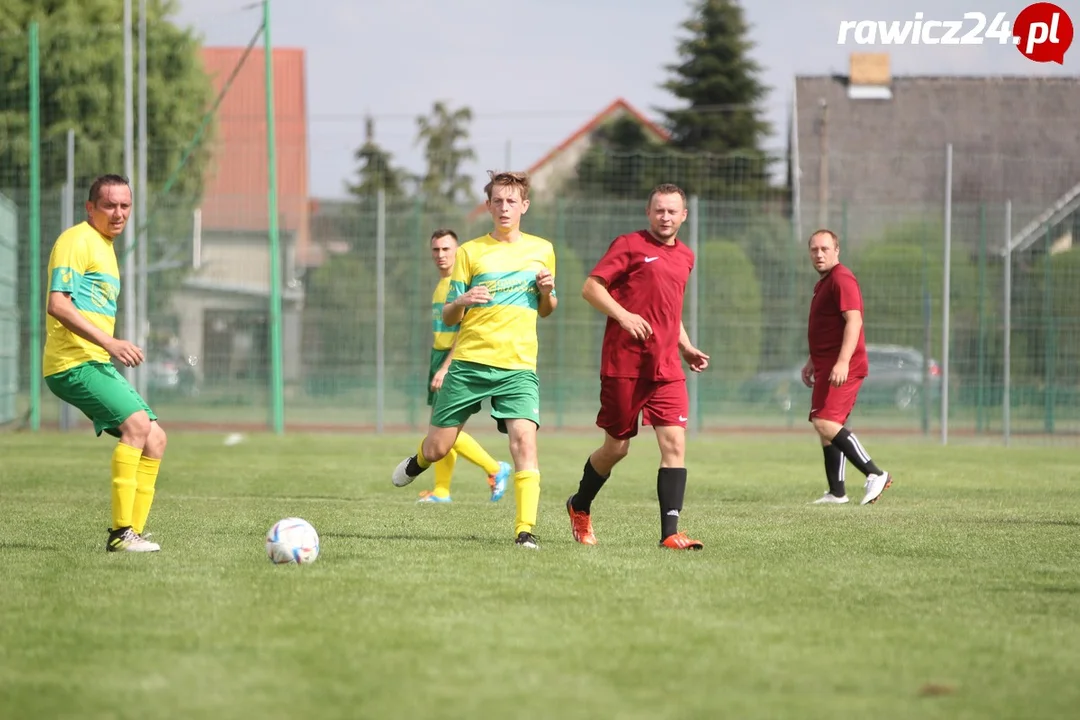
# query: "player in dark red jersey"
{"points": [[639, 284], [836, 369]]}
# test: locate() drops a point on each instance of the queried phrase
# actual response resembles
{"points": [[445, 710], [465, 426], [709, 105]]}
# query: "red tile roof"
{"points": [[235, 196]]}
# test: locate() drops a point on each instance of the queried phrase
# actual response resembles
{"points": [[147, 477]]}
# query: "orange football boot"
{"points": [[580, 524], [679, 541]]}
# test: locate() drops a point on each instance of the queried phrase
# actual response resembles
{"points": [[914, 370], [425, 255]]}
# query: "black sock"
{"points": [[855, 452], [670, 490], [591, 482], [413, 468], [834, 469]]}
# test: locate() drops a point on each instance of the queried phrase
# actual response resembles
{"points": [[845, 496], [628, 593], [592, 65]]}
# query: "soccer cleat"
{"points": [[875, 485], [497, 482], [830, 499], [401, 478], [429, 497], [580, 524], [527, 540], [679, 541], [127, 540]]}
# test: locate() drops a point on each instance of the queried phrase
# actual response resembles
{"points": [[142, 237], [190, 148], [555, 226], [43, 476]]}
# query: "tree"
{"points": [[376, 171], [82, 89], [442, 134], [718, 80]]}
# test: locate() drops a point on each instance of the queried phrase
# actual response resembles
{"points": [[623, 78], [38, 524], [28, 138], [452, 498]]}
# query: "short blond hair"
{"points": [[517, 180]]}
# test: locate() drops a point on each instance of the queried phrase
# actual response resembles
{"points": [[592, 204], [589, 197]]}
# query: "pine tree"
{"points": [[376, 170], [443, 134], [719, 81]]}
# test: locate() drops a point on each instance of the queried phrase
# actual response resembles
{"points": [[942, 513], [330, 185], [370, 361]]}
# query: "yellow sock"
{"points": [[444, 473], [145, 478], [125, 467], [527, 495], [470, 450], [420, 459]]}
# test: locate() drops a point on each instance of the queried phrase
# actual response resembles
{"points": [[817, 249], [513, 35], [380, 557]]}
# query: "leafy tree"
{"points": [[622, 161], [82, 88], [376, 169], [443, 134]]}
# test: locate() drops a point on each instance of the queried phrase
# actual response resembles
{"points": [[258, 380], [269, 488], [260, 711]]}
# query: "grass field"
{"points": [[956, 596]]}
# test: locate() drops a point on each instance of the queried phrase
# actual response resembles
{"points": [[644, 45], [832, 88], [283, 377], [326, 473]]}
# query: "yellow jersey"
{"points": [[82, 264], [444, 334], [501, 333]]}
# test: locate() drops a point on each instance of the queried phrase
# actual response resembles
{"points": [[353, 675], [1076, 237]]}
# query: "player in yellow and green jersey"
{"points": [[444, 245], [501, 283], [84, 284]]}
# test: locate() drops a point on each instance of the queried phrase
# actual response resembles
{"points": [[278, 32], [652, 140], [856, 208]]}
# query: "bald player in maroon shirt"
{"points": [[836, 369], [639, 284]]}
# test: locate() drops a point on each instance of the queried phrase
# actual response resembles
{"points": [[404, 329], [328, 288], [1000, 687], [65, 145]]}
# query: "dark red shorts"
{"points": [[833, 403], [660, 403]]}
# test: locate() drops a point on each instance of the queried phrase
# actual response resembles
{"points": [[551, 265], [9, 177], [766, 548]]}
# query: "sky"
{"points": [[534, 71]]}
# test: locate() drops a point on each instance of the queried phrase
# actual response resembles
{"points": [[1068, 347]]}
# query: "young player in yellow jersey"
{"points": [[444, 245], [500, 284], [84, 284]]}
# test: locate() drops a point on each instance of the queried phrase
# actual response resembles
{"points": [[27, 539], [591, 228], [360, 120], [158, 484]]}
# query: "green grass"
{"points": [[964, 576]]}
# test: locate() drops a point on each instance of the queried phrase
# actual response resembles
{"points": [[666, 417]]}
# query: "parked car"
{"points": [[895, 378]]}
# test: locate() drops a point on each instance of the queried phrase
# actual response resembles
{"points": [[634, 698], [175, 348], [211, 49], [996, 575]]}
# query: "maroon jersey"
{"points": [[835, 294], [648, 278]]}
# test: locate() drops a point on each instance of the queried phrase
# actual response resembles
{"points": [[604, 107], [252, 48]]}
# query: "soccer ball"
{"points": [[292, 540]]}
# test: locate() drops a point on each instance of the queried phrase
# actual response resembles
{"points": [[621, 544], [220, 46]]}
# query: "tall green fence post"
{"points": [[277, 381], [35, 229], [412, 402], [980, 398], [1049, 339], [560, 327]]}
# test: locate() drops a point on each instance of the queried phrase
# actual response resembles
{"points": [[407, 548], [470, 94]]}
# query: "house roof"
{"points": [[235, 196], [618, 105]]}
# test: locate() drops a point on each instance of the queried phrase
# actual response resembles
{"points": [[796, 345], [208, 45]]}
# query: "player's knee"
{"points": [[615, 449], [826, 429], [156, 441], [136, 429]]}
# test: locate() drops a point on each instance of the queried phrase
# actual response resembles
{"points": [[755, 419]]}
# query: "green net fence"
{"points": [[356, 274]]}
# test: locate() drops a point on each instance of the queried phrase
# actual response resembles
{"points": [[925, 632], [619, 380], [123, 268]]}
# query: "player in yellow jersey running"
{"points": [[444, 245], [84, 284], [500, 284]]}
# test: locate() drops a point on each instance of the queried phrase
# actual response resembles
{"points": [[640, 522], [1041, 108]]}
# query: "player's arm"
{"points": [[596, 294], [461, 296], [852, 327], [696, 359], [545, 283]]}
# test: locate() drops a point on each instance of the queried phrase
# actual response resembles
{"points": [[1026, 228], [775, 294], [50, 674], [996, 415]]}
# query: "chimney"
{"points": [[868, 77]]}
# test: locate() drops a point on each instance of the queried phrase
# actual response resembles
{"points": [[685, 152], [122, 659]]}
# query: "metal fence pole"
{"points": [[277, 378], [945, 301], [67, 219], [1006, 402], [35, 229], [694, 242], [380, 311], [142, 252], [130, 283]]}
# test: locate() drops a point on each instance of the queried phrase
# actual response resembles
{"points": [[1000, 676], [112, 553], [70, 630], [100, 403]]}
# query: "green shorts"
{"points": [[514, 394], [101, 393], [437, 357]]}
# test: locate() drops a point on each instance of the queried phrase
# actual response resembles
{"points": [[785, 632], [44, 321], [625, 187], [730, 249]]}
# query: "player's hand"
{"points": [[545, 281], [808, 374], [636, 325], [437, 379], [125, 352], [838, 376], [478, 295], [696, 359]]}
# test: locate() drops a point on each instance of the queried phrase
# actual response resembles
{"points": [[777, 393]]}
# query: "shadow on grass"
{"points": [[14, 545], [414, 538]]}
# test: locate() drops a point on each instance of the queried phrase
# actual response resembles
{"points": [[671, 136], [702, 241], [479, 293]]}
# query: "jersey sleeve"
{"points": [[68, 263], [614, 264], [460, 276], [848, 295]]}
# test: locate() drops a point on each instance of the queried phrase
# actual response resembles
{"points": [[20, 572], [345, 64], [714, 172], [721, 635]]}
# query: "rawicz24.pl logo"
{"points": [[1042, 32]]}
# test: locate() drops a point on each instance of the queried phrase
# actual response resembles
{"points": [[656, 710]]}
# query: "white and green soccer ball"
{"points": [[292, 541]]}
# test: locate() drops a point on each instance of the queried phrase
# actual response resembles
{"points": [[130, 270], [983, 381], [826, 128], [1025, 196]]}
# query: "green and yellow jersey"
{"points": [[501, 333], [83, 264], [443, 333]]}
